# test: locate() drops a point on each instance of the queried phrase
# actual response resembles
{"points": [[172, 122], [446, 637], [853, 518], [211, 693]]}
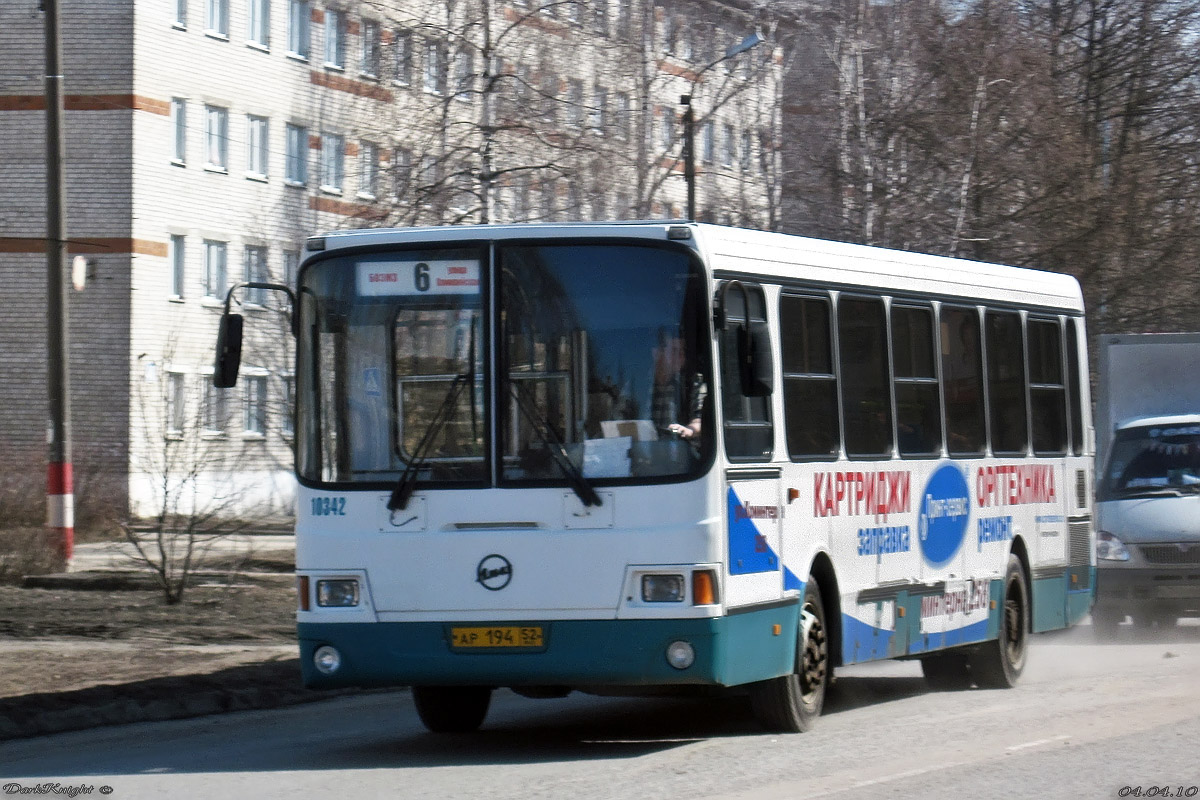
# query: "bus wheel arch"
{"points": [[1022, 553], [822, 570], [998, 663], [792, 703]]}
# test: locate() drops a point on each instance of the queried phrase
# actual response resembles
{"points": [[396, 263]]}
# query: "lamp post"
{"points": [[689, 120], [60, 497]]}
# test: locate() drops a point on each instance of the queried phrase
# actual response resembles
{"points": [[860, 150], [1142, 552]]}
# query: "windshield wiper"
{"points": [[579, 483], [408, 479]]}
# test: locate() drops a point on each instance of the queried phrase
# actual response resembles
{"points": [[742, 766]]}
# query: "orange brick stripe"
{"points": [[87, 102], [358, 210], [354, 87], [90, 246]]}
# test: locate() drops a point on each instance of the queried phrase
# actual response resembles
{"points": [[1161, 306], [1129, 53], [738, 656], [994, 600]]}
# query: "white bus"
{"points": [[643, 457]]}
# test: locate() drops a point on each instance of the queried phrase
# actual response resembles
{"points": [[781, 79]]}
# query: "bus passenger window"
{"points": [[962, 381], [866, 400], [749, 433], [918, 411], [809, 385], [1047, 394], [1006, 382]]}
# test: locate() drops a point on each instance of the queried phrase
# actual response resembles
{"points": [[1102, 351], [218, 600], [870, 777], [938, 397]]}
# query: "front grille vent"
{"points": [[1080, 535], [1171, 553]]}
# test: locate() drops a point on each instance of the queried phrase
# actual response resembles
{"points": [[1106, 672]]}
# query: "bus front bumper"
{"points": [[728, 650]]}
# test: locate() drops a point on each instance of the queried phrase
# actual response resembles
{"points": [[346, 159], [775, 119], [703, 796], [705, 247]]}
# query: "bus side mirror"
{"points": [[754, 359], [229, 351]]}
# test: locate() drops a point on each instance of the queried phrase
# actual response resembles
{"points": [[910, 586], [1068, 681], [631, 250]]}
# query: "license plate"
{"points": [[498, 636]]}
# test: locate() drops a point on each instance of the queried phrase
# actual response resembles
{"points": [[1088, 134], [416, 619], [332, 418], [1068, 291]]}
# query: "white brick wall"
{"points": [[123, 186]]}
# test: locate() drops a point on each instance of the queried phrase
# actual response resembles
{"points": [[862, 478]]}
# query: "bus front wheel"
{"points": [[452, 709], [997, 664], [792, 703]]}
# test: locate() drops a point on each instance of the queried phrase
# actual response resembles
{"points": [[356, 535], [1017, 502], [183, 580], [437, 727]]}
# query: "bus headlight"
{"points": [[1110, 548], [341, 593], [680, 655], [662, 588], [327, 659]]}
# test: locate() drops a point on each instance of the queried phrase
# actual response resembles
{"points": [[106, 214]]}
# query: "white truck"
{"points": [[1148, 486]]}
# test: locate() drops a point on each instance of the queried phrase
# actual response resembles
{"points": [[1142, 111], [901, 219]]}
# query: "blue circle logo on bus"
{"points": [[945, 511], [493, 572]]}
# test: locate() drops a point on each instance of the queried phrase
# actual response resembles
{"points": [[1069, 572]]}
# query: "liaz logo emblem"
{"points": [[494, 572]]}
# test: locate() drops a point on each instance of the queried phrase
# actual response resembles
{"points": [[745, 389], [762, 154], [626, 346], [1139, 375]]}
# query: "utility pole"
{"points": [[60, 497]]}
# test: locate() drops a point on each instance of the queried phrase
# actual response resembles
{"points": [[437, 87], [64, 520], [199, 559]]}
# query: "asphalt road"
{"points": [[1088, 721]]}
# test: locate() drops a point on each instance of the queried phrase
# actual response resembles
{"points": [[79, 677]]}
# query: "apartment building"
{"points": [[206, 139]]}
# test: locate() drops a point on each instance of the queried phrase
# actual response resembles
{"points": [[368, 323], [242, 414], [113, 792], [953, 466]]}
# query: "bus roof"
{"points": [[773, 256]]}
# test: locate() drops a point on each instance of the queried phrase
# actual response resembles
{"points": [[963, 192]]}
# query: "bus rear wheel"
{"points": [[792, 703], [452, 709], [998, 664]]}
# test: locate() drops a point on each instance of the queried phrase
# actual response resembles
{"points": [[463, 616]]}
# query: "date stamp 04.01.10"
{"points": [[1159, 790]]}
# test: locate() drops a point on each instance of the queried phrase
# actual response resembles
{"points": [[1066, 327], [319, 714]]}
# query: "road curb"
{"points": [[257, 686]]}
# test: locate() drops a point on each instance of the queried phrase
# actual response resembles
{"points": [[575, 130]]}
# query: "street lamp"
{"points": [[689, 143]]}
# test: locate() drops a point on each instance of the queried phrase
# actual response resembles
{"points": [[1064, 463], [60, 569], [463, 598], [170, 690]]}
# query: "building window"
{"points": [[708, 144], [287, 419], [291, 265], [333, 149], [435, 68], [257, 141], [215, 414], [181, 13], [404, 58], [598, 113], [254, 407], [296, 155], [216, 138], [370, 48], [368, 157], [600, 16], [747, 151], [335, 38], [620, 12], [464, 77], [217, 19], [258, 22], [175, 403], [623, 117], [401, 171], [574, 102], [177, 252], [728, 145], [548, 95], [255, 269], [214, 269], [666, 116], [299, 18], [179, 124]]}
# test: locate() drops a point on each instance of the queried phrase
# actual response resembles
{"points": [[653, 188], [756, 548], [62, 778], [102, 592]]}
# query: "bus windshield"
{"points": [[596, 365], [1152, 460]]}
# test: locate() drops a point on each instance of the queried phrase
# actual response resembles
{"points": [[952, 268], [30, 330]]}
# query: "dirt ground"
{"points": [[55, 640]]}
